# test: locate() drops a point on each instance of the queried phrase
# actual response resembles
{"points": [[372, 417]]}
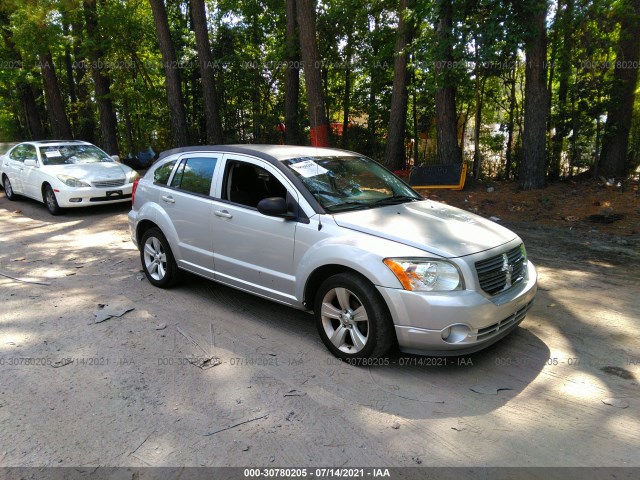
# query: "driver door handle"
{"points": [[223, 214]]}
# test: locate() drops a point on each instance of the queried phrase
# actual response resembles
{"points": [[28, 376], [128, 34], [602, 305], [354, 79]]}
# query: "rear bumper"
{"points": [[132, 218]]}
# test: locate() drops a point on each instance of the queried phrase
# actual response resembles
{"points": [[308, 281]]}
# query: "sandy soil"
{"points": [[562, 390]]}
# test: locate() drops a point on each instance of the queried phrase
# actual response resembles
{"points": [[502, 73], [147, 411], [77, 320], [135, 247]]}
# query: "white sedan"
{"points": [[64, 174]]}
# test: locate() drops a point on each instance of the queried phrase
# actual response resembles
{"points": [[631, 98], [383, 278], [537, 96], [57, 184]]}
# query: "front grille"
{"points": [[117, 182], [503, 271], [492, 330]]}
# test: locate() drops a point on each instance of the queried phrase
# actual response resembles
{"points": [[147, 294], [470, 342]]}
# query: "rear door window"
{"points": [[194, 175]]}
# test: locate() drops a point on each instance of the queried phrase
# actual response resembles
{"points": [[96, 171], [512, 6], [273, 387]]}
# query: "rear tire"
{"points": [[352, 318], [157, 259], [8, 189], [49, 197]]}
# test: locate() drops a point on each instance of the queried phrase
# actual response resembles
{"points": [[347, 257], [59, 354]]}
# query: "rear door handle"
{"points": [[168, 199], [223, 214]]}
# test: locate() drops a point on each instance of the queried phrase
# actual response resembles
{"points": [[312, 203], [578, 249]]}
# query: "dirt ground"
{"points": [[562, 390], [581, 203]]}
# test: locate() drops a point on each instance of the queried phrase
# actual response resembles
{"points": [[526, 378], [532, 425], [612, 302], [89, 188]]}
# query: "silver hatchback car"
{"points": [[333, 232]]}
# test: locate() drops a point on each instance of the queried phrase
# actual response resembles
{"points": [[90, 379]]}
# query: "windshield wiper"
{"points": [[395, 199], [351, 205]]}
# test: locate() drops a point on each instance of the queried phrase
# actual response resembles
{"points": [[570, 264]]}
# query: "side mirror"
{"points": [[30, 162], [274, 207], [115, 158]]}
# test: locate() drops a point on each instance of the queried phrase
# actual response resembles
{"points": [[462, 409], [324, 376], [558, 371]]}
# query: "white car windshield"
{"points": [[72, 154], [350, 182]]}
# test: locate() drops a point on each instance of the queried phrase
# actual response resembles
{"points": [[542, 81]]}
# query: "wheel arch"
{"points": [[45, 184], [142, 227], [320, 274]]}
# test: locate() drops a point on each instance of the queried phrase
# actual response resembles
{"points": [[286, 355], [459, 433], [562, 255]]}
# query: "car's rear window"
{"points": [[195, 175]]}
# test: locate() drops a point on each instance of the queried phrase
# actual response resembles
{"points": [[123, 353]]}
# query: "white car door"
{"points": [[253, 251], [13, 166], [32, 175]]}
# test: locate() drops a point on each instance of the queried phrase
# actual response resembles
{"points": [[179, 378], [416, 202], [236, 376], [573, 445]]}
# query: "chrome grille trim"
{"points": [[117, 182], [501, 272]]}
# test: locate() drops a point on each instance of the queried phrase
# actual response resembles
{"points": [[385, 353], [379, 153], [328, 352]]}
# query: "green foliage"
{"points": [[356, 42]]}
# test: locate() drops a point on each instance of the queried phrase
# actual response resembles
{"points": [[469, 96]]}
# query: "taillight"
{"points": [[133, 191]]}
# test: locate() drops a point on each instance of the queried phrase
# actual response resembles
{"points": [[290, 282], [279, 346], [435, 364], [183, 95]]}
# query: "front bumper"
{"points": [[87, 196], [457, 323]]}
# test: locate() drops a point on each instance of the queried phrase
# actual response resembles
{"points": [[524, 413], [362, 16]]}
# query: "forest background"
{"points": [[527, 90]]}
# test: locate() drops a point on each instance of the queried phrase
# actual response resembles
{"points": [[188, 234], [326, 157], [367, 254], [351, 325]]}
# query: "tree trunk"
{"points": [[346, 97], [477, 155], [414, 106], [128, 125], [27, 97], [614, 160], [86, 127], [60, 126], [292, 77], [510, 124], [211, 108], [532, 166], [372, 110], [446, 119], [101, 83], [257, 80], [311, 59], [174, 89], [71, 86], [394, 154], [31, 113], [479, 93], [564, 68]]}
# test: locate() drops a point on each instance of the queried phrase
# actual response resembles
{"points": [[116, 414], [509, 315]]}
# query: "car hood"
{"points": [[431, 226], [90, 171]]}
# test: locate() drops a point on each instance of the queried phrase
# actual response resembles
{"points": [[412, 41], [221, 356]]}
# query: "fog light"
{"points": [[455, 333], [75, 200], [446, 332]]}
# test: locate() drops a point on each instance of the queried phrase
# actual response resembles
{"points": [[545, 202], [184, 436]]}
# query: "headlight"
{"points": [[423, 275], [132, 176], [72, 181], [523, 251]]}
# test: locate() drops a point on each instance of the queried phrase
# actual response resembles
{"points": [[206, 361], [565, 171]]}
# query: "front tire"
{"points": [[352, 318], [8, 189], [50, 200], [157, 259]]}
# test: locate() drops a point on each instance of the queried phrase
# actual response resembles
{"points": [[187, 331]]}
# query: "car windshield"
{"points": [[344, 183], [72, 154]]}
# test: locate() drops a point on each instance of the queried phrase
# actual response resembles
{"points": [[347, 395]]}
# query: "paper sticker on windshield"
{"points": [[52, 153], [308, 168]]}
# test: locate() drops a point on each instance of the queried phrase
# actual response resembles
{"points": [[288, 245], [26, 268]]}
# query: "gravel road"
{"points": [[562, 390]]}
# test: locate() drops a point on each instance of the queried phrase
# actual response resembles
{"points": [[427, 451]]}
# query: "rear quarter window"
{"points": [[163, 172]]}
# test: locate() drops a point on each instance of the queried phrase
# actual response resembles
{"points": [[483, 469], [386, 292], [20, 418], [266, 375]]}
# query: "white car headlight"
{"points": [[425, 275], [72, 181], [132, 176]]}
